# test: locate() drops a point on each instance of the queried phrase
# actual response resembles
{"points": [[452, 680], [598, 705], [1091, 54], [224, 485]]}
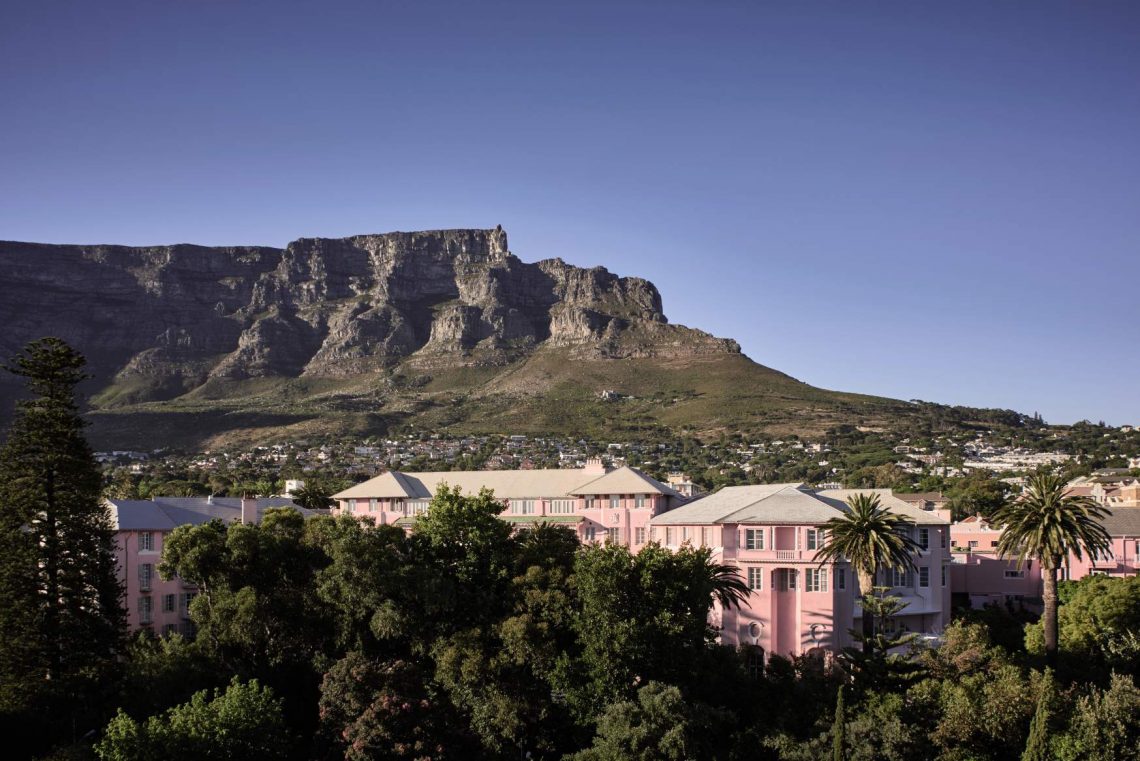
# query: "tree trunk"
{"points": [[866, 590], [1049, 619]]}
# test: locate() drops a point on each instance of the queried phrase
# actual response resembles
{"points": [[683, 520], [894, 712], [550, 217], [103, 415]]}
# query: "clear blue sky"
{"points": [[920, 200]]}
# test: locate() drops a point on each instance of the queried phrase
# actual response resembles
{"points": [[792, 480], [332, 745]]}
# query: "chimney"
{"points": [[595, 467], [248, 511]]}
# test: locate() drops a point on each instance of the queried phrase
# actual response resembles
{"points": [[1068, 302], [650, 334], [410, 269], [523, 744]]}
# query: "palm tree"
{"points": [[870, 538], [313, 498], [1047, 524], [725, 584]]}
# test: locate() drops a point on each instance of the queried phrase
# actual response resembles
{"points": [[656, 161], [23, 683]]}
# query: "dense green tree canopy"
{"points": [[61, 615]]}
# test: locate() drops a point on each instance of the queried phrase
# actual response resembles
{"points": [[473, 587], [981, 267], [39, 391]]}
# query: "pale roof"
{"points": [[167, 513], [625, 480], [783, 504], [889, 501], [508, 484], [1124, 521]]}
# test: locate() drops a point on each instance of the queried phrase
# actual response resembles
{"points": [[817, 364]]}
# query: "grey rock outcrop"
{"points": [[161, 321]]}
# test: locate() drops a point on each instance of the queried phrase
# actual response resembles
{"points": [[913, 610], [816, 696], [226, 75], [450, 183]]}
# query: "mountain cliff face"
{"points": [[159, 322]]}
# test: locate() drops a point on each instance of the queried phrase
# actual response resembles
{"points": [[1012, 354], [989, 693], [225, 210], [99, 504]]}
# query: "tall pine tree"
{"points": [[61, 617]]}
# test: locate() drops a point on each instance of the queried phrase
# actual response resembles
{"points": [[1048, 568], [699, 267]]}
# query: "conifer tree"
{"points": [[1037, 746], [839, 729], [61, 616]]}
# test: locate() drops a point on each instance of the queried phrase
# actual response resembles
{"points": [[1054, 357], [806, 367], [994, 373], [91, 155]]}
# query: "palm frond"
{"points": [[1047, 524]]}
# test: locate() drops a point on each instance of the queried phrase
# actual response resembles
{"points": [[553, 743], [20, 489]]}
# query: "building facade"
{"points": [[141, 528], [597, 503], [980, 576], [798, 604]]}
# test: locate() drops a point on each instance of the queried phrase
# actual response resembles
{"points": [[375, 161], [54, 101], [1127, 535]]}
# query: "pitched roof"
{"points": [[922, 496], [890, 501], [783, 504], [508, 484], [625, 480], [768, 503], [167, 513], [1124, 521]]}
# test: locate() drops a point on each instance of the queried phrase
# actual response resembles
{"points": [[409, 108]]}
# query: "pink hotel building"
{"points": [[141, 527], [771, 533], [978, 574]]}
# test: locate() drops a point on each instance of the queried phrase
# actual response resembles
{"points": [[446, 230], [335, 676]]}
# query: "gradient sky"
{"points": [[920, 200]]}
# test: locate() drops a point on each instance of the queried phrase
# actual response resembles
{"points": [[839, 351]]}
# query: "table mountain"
{"points": [[351, 335]]}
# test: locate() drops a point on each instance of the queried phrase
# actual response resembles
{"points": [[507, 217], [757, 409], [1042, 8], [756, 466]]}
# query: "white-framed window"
{"points": [[707, 536], [815, 580], [814, 538], [755, 578], [639, 535], [1015, 573], [414, 507], [168, 603], [924, 576], [591, 503], [373, 503], [352, 506], [591, 533], [669, 536], [972, 543], [684, 534], [184, 601], [753, 538], [897, 577], [790, 575], [653, 533], [612, 535], [146, 609], [522, 506], [562, 506], [924, 538], [841, 578], [146, 541], [146, 576], [640, 500], [615, 501]]}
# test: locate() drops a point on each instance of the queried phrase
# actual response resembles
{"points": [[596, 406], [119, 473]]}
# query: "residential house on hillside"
{"points": [[1112, 487], [141, 528]]}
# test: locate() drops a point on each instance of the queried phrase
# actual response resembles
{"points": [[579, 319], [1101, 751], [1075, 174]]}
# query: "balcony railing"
{"points": [[787, 554]]}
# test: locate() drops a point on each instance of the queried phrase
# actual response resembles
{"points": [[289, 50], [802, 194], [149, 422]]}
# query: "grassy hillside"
{"points": [[546, 393]]}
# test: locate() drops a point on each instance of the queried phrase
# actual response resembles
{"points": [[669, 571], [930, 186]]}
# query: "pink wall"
{"points": [[981, 574], [131, 558]]}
